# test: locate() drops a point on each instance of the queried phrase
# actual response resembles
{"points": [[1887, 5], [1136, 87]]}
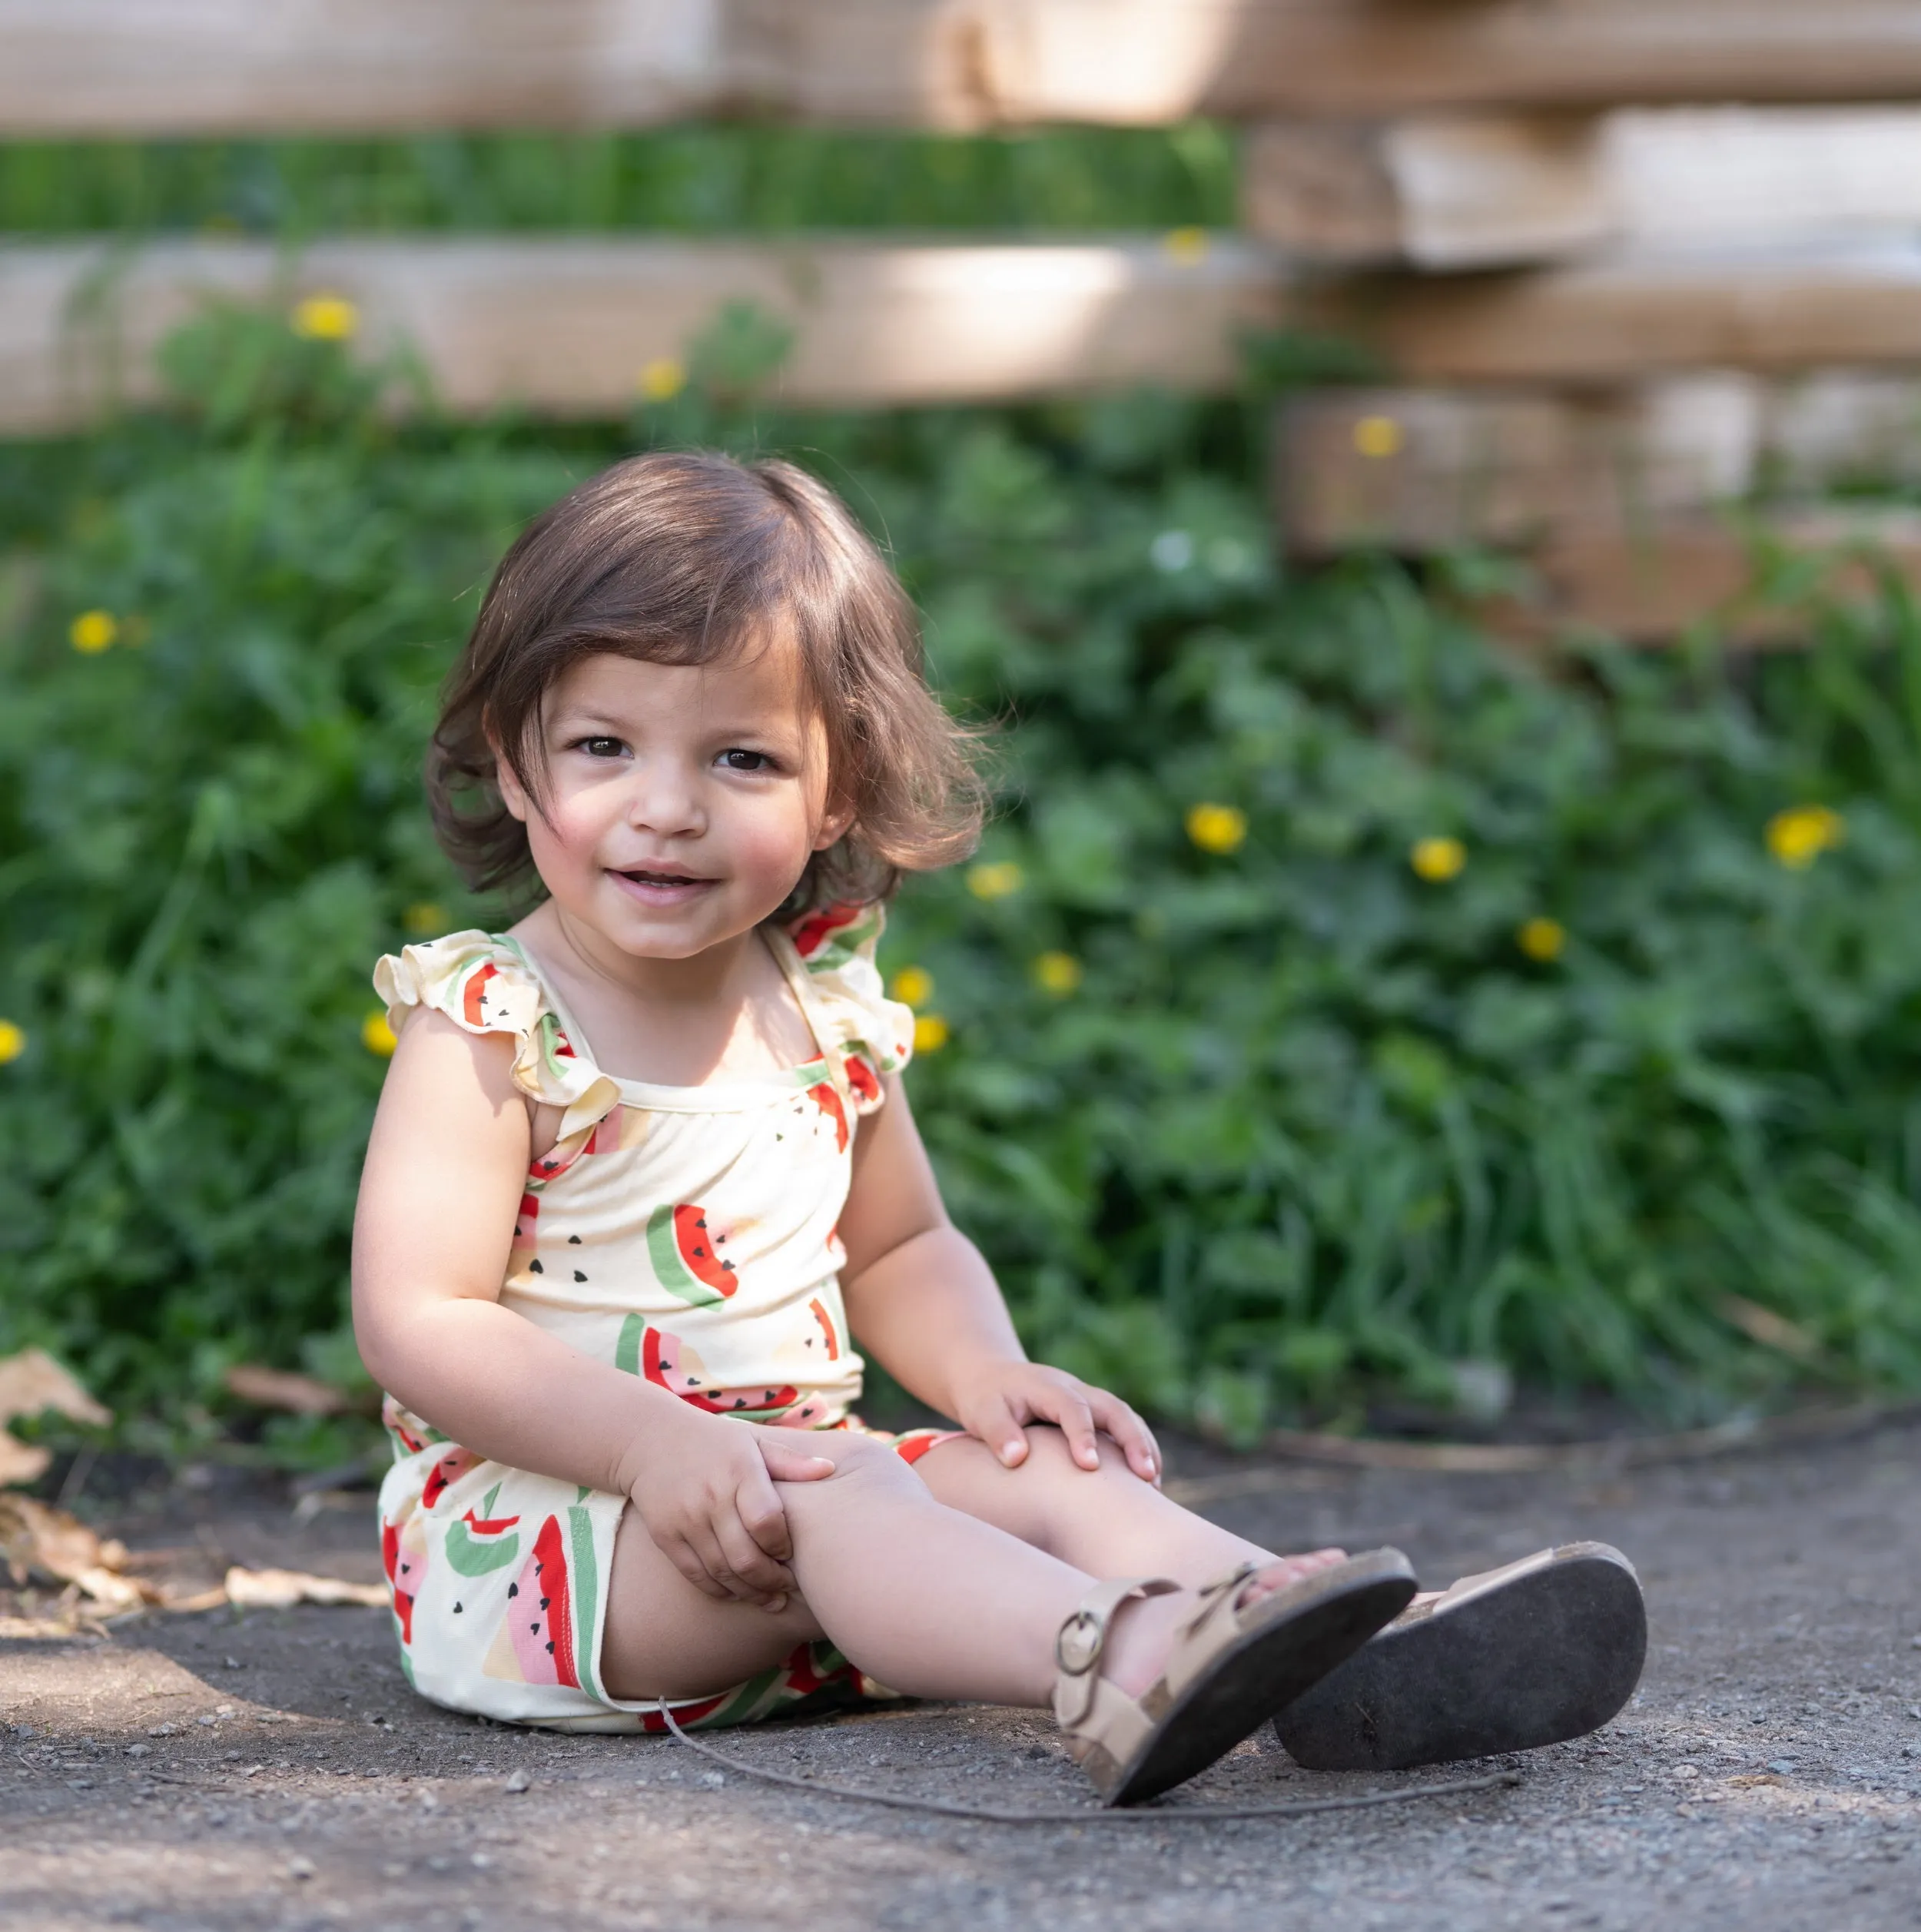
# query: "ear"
{"points": [[513, 793], [840, 816]]}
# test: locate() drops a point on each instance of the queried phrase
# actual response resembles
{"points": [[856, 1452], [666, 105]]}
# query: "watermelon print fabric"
{"points": [[684, 1235]]}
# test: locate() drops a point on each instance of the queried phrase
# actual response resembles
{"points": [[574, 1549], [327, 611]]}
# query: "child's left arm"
{"points": [[926, 1306]]}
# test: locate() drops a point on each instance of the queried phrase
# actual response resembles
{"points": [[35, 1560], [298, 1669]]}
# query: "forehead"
{"points": [[763, 678]]}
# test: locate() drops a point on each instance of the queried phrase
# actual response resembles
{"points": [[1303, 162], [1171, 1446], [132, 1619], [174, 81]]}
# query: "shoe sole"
{"points": [[1310, 1628], [1547, 1649]]}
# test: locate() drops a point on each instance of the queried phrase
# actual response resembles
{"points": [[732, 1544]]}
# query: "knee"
{"points": [[861, 1460]]}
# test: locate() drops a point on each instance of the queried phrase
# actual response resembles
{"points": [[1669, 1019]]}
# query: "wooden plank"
{"points": [[1621, 318], [233, 67], [1467, 191], [1765, 584], [564, 326], [1419, 470]]}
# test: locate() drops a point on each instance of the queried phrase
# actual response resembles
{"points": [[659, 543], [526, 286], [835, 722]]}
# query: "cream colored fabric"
{"points": [[686, 1235]]}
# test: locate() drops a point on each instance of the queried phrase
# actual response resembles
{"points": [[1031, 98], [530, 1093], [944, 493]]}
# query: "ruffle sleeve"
{"points": [[482, 984], [872, 1033]]}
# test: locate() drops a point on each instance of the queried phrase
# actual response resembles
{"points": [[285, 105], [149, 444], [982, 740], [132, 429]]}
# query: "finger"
{"points": [[759, 1575], [787, 1462], [685, 1558], [1131, 1436], [1075, 1419], [758, 1504], [720, 1566], [999, 1427]]}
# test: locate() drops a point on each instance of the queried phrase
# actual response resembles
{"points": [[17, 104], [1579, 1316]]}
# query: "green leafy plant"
{"points": [[1337, 1005]]}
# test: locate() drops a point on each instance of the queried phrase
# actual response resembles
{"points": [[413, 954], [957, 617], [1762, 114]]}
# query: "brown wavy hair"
{"points": [[682, 559]]}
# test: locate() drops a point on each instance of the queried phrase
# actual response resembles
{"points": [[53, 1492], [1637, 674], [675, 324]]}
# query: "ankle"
{"points": [[1139, 1637]]}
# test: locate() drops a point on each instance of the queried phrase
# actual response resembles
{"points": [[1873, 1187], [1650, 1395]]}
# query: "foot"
{"points": [[1541, 1651], [1144, 1628], [1149, 1696]]}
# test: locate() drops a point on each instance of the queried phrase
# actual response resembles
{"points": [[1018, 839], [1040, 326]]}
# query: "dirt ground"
{"points": [[272, 1769]]}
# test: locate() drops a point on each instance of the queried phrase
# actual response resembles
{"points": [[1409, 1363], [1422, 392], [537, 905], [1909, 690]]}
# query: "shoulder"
{"points": [[838, 945], [483, 983], [480, 981]]}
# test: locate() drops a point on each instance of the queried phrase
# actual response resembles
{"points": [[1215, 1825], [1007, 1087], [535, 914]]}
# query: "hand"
{"points": [[707, 1496], [994, 1404]]}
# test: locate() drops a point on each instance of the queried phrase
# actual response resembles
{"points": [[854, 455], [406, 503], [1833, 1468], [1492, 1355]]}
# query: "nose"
{"points": [[665, 799]]}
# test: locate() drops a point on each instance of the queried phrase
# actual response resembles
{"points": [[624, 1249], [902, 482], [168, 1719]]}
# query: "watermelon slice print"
{"points": [[535, 1643], [811, 933], [404, 1555], [473, 995], [478, 1546], [817, 1309], [825, 1097], [668, 1363], [452, 1465], [865, 1082], [682, 1248]]}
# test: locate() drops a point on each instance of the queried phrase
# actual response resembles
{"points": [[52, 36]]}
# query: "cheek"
{"points": [[568, 830]]}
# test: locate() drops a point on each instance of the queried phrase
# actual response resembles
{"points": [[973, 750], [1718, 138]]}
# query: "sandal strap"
{"points": [[1083, 1636], [1219, 1597]]}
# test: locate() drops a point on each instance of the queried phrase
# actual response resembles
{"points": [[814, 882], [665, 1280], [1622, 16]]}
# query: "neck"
{"points": [[707, 978]]}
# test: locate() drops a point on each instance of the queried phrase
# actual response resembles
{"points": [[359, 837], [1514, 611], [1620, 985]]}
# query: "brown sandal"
{"points": [[1233, 1665]]}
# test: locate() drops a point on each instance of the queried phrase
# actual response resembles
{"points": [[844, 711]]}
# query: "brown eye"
{"points": [[602, 747], [738, 760]]}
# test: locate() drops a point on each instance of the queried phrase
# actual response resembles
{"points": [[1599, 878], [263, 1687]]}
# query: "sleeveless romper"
{"points": [[686, 1234]]}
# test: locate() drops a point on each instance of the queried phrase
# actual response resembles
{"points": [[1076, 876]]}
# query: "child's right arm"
{"points": [[445, 1169]]}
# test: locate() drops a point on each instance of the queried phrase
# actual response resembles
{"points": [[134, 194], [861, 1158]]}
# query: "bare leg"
{"points": [[933, 1601], [1107, 1522]]}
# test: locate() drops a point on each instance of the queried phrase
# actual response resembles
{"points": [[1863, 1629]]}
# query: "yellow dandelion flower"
{"points": [[1798, 836], [424, 916], [931, 1033], [914, 986], [93, 631], [662, 379], [1438, 860], [13, 1041], [1186, 246], [1543, 939], [995, 879], [1057, 972], [377, 1036], [1377, 437], [1216, 828], [325, 318]]}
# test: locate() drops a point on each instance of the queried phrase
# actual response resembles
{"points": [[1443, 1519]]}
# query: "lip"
{"points": [[665, 885]]}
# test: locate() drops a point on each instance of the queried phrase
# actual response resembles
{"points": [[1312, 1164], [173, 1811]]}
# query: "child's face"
{"points": [[685, 800]]}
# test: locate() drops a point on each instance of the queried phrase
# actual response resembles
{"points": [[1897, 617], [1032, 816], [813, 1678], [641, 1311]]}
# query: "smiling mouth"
{"points": [[645, 875]]}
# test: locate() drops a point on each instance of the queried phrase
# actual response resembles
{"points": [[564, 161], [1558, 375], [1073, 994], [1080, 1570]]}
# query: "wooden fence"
{"points": [[1618, 261]]}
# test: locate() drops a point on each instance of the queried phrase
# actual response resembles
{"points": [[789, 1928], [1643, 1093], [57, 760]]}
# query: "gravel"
{"points": [[1765, 1775]]}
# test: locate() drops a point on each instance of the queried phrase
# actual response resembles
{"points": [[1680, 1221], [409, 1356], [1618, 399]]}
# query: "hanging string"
{"points": [[1086, 1814]]}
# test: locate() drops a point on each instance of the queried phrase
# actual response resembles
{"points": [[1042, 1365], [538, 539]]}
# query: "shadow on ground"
{"points": [[222, 1771]]}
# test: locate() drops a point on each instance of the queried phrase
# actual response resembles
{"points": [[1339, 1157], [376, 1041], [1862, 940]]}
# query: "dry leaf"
{"points": [[281, 1589], [300, 1395], [35, 1537], [33, 1381], [20, 1464]]}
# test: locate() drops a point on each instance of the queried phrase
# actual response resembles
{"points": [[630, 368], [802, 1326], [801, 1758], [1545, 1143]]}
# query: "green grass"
{"points": [[1309, 1127], [702, 180]]}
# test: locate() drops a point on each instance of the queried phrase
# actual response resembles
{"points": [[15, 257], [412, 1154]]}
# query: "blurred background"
{"points": [[1425, 496]]}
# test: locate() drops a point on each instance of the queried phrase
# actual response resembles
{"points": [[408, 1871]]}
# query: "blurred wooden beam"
{"points": [[1621, 318], [1420, 470], [1417, 471], [239, 67], [1469, 191], [1766, 582], [565, 326]]}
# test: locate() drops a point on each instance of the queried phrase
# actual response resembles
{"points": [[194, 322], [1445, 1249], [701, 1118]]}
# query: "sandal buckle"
{"points": [[1077, 1645]]}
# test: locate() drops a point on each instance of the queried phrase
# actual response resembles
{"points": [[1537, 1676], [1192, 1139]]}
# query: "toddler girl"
{"points": [[643, 1174]]}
